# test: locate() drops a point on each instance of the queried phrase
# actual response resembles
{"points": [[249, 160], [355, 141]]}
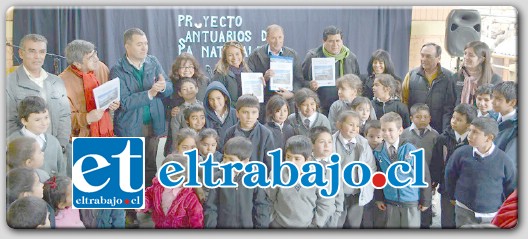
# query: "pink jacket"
{"points": [[68, 218], [185, 212]]}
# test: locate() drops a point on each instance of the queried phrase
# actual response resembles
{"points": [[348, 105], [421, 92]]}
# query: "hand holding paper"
{"points": [[94, 115]]}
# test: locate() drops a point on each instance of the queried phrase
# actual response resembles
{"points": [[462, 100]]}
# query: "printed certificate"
{"points": [[252, 84], [323, 71], [107, 93], [282, 66]]}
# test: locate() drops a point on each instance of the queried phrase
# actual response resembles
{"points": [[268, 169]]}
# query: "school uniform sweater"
{"points": [[426, 141], [480, 183], [261, 140], [300, 129]]}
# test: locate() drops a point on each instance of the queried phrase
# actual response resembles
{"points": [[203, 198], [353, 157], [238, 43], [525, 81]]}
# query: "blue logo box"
{"points": [[107, 173]]}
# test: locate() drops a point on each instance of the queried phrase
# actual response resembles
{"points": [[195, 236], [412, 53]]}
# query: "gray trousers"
{"points": [[399, 216], [447, 212], [466, 217], [352, 213]]}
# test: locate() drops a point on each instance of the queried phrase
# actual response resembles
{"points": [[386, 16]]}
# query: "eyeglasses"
{"points": [[187, 67], [35, 52]]}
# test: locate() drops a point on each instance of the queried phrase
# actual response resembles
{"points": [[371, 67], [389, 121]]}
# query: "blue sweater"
{"points": [[506, 140], [482, 184]]}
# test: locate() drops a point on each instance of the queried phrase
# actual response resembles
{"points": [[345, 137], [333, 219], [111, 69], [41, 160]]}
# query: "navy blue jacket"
{"points": [[506, 140], [406, 194], [211, 119]]}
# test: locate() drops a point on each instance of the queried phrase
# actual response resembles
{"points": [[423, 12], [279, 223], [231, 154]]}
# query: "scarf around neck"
{"points": [[103, 127], [339, 57], [470, 85]]}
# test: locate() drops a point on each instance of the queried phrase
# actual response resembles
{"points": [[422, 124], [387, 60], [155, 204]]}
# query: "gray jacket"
{"points": [[299, 207], [19, 86]]}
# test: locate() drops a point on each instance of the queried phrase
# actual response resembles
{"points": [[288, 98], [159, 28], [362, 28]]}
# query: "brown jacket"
{"points": [[75, 90]]}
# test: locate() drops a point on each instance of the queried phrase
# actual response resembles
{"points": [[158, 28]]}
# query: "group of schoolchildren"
{"points": [[468, 196], [465, 161]]}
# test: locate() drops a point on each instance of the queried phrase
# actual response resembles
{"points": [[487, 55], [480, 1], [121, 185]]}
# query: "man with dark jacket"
{"points": [[259, 61], [432, 85], [346, 63], [143, 86]]}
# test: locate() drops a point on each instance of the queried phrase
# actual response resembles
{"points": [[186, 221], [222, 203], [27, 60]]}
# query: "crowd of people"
{"points": [[466, 122]]}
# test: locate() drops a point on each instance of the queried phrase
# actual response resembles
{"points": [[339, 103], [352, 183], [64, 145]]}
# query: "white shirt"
{"points": [[462, 137], [345, 141], [311, 118], [41, 139], [413, 127], [508, 116], [222, 117], [475, 151], [396, 144], [38, 80], [140, 63]]}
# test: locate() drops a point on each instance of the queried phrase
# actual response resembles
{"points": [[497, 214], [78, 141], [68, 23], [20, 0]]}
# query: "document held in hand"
{"points": [[107, 93]]}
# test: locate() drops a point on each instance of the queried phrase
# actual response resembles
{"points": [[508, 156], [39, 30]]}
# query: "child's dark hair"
{"points": [[487, 125], [191, 109], [247, 100], [31, 105], [372, 124], [485, 89], [27, 213], [467, 110], [316, 131], [181, 81], [392, 117], [177, 158], [206, 133], [19, 150], [238, 146], [359, 101], [275, 103], [508, 89], [55, 191], [419, 107], [299, 144], [302, 94], [19, 180], [351, 81], [345, 114], [388, 81], [182, 135]]}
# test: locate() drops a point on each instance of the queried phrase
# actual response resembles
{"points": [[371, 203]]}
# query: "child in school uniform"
{"points": [[33, 113], [25, 152], [208, 143], [349, 87], [422, 135], [385, 98], [238, 207], [484, 101], [505, 103], [372, 216], [353, 147], [452, 138], [403, 205], [306, 115], [194, 117], [297, 206], [277, 112], [322, 144], [247, 111], [479, 176], [187, 89], [219, 115], [365, 110]]}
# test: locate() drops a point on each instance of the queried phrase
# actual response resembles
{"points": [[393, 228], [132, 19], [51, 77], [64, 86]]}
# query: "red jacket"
{"points": [[507, 215], [185, 212]]}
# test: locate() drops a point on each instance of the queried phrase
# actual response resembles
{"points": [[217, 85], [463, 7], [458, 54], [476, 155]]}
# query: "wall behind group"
{"points": [[203, 30]]}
